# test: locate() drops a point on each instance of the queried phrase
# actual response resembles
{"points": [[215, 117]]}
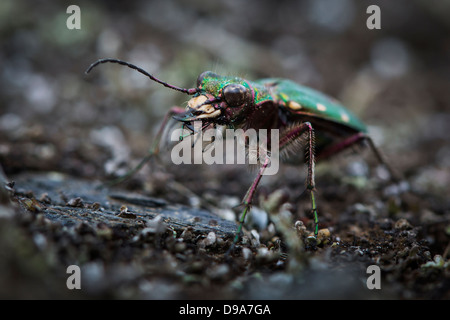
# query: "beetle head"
{"points": [[219, 100]]}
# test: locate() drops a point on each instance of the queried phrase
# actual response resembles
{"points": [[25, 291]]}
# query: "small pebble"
{"points": [[402, 224], [155, 226], [75, 202], [246, 253], [187, 234], [95, 206], [324, 236], [255, 238], [124, 213], [218, 272], [210, 239], [301, 228], [263, 255], [45, 198], [32, 205], [180, 247]]}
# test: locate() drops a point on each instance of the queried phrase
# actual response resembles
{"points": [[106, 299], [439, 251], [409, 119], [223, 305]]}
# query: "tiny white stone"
{"points": [[210, 239]]}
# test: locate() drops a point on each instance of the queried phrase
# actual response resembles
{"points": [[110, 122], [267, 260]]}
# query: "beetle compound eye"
{"points": [[236, 94]]}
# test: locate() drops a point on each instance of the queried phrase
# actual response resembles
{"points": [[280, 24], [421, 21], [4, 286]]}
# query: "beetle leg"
{"points": [[247, 201], [340, 146], [289, 136], [352, 140], [392, 173], [154, 149]]}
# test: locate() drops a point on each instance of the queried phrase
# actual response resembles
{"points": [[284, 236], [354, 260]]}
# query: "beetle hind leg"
{"points": [[393, 174], [354, 139]]}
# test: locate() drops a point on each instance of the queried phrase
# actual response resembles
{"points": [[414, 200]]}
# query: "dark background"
{"points": [[53, 117]]}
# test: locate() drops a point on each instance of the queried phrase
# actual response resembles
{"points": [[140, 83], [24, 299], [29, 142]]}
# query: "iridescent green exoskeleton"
{"points": [[298, 112]]}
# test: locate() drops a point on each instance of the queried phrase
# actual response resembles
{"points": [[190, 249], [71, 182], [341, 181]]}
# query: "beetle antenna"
{"points": [[132, 66]]}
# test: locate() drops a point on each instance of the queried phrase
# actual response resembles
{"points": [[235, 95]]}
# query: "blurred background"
{"points": [[53, 117]]}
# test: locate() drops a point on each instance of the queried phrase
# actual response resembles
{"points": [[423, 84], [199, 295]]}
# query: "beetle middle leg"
{"points": [[288, 137]]}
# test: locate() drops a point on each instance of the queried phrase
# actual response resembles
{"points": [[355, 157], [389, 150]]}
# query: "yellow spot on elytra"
{"points": [[294, 105], [321, 107], [345, 117]]}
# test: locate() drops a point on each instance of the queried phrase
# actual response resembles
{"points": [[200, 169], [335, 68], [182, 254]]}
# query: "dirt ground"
{"points": [[165, 233]]}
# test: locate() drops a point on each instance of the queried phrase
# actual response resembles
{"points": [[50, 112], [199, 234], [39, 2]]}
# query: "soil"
{"points": [[166, 233]]}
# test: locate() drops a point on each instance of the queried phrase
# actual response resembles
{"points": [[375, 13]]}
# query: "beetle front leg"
{"points": [[154, 149]]}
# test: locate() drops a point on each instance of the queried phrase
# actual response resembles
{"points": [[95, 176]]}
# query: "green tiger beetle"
{"points": [[299, 113]]}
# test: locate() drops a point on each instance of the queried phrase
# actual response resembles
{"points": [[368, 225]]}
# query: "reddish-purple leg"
{"points": [[247, 201], [352, 140]]}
